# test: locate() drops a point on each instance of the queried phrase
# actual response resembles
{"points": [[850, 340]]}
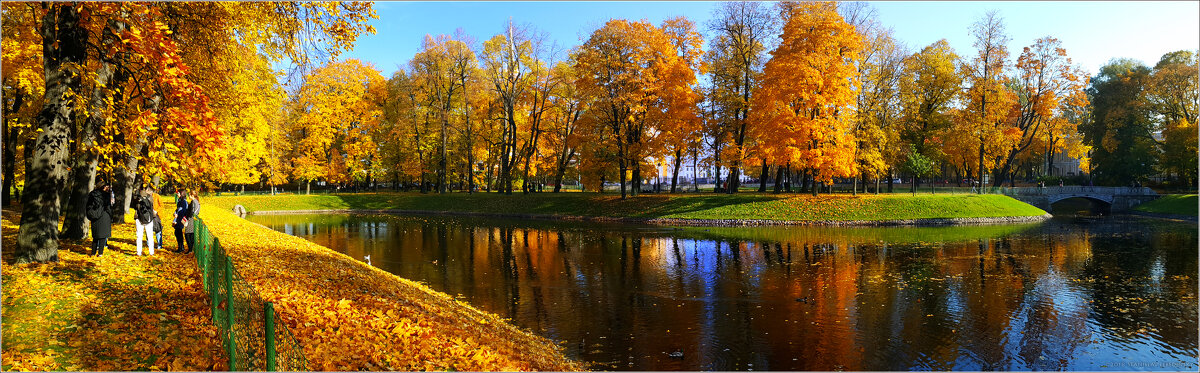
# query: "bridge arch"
{"points": [[1076, 203], [1106, 198], [1115, 198]]}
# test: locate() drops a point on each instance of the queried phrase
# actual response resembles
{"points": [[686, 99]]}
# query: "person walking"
{"points": [[99, 212], [177, 221], [144, 220], [189, 230]]}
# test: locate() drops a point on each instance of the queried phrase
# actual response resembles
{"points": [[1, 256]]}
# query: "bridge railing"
{"points": [[1076, 189]]}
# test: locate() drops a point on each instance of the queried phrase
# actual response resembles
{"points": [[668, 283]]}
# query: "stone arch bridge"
{"points": [[1117, 198]]}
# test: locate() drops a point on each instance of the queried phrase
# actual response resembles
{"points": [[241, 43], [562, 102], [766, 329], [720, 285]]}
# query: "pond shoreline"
{"points": [[686, 222]]}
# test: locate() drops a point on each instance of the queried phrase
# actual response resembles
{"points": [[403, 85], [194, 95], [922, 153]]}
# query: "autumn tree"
{"points": [[567, 108], [928, 87], [640, 84], [63, 54], [338, 111], [1172, 95], [1047, 82], [743, 32], [987, 99], [126, 96], [804, 105], [441, 70], [507, 62], [1120, 131], [877, 105], [23, 87]]}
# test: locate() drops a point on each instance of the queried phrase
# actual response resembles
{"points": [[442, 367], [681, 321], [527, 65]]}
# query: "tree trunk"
{"points": [[83, 173], [442, 164], [123, 184], [637, 177], [779, 179], [10, 144], [734, 176], [621, 165], [762, 178], [789, 177], [890, 179], [805, 181], [980, 180], [675, 174], [63, 50], [717, 165], [695, 173]]}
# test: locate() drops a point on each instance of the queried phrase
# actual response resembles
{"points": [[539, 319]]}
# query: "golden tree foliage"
{"points": [[1046, 83], [803, 107], [1172, 93], [930, 84], [877, 105], [737, 52], [987, 102], [251, 111], [640, 80], [338, 113]]}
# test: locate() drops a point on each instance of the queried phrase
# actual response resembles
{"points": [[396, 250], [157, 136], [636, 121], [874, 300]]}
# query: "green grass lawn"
{"points": [[1177, 204], [696, 206]]}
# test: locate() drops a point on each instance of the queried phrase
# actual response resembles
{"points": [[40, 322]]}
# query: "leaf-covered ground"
{"points": [[689, 206], [351, 316], [124, 312], [116, 312]]}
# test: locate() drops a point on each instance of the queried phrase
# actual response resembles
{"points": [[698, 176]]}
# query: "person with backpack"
{"points": [[99, 212], [144, 220], [189, 230]]}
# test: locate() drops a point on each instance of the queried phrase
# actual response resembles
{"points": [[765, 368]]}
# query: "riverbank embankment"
{"points": [[687, 210], [351, 316], [126, 312], [1183, 207]]}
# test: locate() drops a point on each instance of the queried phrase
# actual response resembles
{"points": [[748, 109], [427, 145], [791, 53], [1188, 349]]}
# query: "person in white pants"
{"points": [[144, 220]]}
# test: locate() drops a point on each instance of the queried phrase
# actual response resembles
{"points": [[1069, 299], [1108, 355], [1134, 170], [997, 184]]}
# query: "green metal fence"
{"points": [[251, 332]]}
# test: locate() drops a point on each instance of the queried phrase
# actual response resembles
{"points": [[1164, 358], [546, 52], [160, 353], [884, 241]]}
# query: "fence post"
{"points": [[269, 309], [229, 313], [214, 284]]}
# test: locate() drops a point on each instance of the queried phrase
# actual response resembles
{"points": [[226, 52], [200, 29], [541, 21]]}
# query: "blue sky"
{"points": [[1093, 32]]}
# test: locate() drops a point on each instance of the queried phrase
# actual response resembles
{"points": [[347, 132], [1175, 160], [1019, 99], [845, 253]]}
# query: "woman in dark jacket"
{"points": [[99, 211], [189, 226], [181, 215]]}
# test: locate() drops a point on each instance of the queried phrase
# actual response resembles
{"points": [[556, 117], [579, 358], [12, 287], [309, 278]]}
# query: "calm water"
{"points": [[1114, 294]]}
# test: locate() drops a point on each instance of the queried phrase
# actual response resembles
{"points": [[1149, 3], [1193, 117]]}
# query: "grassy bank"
{"points": [[702, 206], [1174, 204], [113, 313], [351, 316]]}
